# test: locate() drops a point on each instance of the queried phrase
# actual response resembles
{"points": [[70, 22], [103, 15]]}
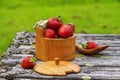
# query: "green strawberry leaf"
{"points": [[84, 46], [32, 59]]}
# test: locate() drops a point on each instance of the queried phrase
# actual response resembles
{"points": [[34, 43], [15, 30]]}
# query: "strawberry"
{"points": [[90, 45], [28, 62], [49, 33], [54, 23], [66, 30]]}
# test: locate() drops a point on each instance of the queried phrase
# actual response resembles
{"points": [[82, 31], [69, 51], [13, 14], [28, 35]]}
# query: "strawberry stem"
{"points": [[58, 17]]}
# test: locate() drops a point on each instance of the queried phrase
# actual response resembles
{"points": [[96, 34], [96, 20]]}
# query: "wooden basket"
{"points": [[48, 49]]}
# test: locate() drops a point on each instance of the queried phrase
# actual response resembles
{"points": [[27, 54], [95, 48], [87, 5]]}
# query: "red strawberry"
{"points": [[66, 30], [90, 45], [28, 62], [54, 23], [49, 33]]}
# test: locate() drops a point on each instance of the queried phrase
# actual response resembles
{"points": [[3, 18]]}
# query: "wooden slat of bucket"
{"points": [[39, 44]]}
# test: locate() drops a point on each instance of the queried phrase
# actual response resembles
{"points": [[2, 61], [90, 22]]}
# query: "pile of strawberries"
{"points": [[56, 29]]}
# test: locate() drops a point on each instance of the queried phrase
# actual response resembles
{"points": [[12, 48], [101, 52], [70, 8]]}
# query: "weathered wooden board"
{"points": [[103, 66]]}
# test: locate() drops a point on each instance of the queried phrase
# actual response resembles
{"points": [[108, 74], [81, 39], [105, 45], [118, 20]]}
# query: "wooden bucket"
{"points": [[48, 48]]}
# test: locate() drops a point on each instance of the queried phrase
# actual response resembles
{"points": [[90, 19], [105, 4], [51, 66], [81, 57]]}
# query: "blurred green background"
{"points": [[89, 16]]}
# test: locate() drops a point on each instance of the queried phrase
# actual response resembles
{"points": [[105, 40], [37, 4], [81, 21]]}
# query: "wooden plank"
{"points": [[113, 48], [103, 61], [102, 41], [92, 72], [98, 36], [110, 53], [82, 75], [102, 68]]}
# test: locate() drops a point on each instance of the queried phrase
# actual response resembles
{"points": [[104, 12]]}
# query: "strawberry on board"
{"points": [[28, 62]]}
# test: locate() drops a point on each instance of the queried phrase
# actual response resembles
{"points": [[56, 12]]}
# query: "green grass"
{"points": [[89, 16]]}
